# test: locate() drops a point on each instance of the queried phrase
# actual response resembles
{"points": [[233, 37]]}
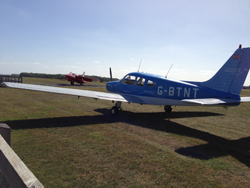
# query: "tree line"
{"points": [[59, 76]]}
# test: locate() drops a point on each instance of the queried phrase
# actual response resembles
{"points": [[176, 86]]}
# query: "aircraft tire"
{"points": [[114, 111], [72, 83], [167, 108]]}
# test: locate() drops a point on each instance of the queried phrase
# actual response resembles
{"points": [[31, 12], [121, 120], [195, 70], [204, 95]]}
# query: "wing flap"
{"points": [[76, 92]]}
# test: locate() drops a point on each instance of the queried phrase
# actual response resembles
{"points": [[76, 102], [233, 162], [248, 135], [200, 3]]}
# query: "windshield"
{"points": [[129, 80], [72, 73]]}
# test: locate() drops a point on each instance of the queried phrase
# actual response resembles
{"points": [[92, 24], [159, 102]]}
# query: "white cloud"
{"points": [[20, 63], [13, 63], [119, 70], [3, 63], [68, 67], [36, 63], [179, 71]]}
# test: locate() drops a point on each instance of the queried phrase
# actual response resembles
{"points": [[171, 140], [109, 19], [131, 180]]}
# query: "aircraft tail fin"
{"points": [[83, 74], [232, 75]]}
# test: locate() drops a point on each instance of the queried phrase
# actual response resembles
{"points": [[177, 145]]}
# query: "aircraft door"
{"points": [[139, 85]]}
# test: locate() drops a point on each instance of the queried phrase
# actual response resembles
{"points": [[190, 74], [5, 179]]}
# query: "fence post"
{"points": [[5, 131], [15, 172]]}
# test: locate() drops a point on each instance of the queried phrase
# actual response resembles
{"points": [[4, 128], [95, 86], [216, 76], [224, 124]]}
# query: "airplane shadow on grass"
{"points": [[216, 146]]}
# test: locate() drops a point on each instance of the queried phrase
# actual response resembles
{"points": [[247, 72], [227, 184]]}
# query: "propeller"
{"points": [[110, 71]]}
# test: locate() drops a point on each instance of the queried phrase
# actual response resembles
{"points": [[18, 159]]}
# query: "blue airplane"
{"points": [[223, 89]]}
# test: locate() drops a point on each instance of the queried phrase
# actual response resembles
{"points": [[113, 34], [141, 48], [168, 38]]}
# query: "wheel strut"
{"points": [[115, 109], [168, 108]]}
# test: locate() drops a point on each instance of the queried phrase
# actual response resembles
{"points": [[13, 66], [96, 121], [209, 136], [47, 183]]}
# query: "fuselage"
{"points": [[158, 90]]}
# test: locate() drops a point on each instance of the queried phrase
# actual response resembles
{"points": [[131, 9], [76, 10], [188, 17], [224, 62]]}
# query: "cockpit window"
{"points": [[140, 81], [72, 73], [129, 80], [151, 83]]}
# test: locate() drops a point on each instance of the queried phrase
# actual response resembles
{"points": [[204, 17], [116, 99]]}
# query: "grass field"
{"points": [[68, 142]]}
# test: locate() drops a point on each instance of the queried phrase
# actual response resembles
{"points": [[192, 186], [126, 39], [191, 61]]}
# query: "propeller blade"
{"points": [[110, 71]]}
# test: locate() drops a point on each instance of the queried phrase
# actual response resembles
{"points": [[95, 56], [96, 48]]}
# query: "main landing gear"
{"points": [[167, 108], [115, 109]]}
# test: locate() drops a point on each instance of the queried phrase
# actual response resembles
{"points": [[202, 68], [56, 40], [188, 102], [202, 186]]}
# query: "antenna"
{"points": [[169, 71], [139, 66]]}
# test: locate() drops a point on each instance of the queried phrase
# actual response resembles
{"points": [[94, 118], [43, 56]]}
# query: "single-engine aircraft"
{"points": [[81, 79], [223, 89]]}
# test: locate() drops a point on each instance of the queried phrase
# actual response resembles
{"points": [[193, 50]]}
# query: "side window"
{"points": [[129, 80], [140, 81], [151, 83]]}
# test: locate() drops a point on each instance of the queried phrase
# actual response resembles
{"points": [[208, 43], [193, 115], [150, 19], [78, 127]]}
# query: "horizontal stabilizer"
{"points": [[212, 101], [245, 99], [76, 92]]}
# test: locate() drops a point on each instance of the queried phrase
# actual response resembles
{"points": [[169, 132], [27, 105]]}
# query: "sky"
{"points": [[62, 36]]}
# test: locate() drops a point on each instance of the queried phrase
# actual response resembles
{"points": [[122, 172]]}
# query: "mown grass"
{"points": [[68, 142]]}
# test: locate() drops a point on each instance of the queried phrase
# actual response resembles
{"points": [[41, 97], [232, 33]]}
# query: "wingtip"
{"points": [[3, 84], [7, 84]]}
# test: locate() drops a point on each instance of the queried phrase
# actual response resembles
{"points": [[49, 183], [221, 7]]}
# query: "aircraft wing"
{"points": [[76, 92], [214, 101], [87, 79]]}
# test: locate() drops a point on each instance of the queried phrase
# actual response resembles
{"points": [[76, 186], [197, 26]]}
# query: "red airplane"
{"points": [[81, 79]]}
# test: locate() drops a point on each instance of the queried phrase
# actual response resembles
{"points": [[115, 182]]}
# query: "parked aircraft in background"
{"points": [[223, 89], [81, 79]]}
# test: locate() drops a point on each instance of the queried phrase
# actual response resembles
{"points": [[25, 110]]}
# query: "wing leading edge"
{"points": [[76, 92]]}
